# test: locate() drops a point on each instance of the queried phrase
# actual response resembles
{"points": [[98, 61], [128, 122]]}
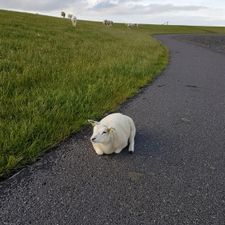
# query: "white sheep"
{"points": [[108, 22], [132, 25], [74, 21], [113, 133]]}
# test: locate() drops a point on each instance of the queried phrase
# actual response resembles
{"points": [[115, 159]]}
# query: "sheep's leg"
{"points": [[118, 151], [131, 145], [131, 138], [98, 151]]}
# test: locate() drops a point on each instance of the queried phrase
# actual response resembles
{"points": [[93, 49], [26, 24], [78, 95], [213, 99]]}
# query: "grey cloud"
{"points": [[104, 5], [113, 7], [132, 7], [42, 5], [157, 8]]}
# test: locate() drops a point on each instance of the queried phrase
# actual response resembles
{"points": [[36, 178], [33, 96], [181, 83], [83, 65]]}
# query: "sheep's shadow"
{"points": [[149, 143]]}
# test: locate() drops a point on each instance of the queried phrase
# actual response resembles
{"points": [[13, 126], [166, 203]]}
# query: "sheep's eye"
{"points": [[104, 132]]}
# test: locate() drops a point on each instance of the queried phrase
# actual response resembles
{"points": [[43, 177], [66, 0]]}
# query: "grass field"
{"points": [[54, 77]]}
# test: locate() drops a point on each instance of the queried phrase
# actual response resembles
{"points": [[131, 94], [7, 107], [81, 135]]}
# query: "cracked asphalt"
{"points": [[175, 176]]}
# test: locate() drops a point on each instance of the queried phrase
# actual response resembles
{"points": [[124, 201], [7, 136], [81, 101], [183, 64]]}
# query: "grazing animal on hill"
{"points": [[70, 16], [108, 22], [74, 21], [132, 25], [63, 14], [113, 133]]}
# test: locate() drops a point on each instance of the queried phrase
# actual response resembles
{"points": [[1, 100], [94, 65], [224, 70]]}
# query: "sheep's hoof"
{"points": [[131, 152], [99, 152]]}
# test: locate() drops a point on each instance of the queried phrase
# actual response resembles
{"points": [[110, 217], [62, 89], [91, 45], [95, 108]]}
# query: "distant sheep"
{"points": [[70, 16], [113, 133], [108, 22], [74, 21], [63, 14], [132, 25]]}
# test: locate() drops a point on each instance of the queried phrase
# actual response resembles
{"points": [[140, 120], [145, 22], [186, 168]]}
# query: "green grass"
{"points": [[54, 77]]}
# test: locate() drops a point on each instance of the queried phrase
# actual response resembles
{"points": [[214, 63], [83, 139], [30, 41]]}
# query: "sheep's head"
{"points": [[101, 133]]}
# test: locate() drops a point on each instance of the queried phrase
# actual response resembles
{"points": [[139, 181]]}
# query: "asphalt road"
{"points": [[176, 175]]}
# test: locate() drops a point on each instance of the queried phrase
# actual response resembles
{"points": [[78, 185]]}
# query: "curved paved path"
{"points": [[176, 176]]}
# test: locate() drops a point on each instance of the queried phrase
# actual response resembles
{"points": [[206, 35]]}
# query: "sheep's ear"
{"points": [[111, 129], [93, 123]]}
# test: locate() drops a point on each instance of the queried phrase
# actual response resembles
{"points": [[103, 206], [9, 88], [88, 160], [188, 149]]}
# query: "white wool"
{"points": [[74, 21], [113, 133]]}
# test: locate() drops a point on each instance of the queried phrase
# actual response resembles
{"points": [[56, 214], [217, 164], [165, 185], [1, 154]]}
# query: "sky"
{"points": [[178, 12]]}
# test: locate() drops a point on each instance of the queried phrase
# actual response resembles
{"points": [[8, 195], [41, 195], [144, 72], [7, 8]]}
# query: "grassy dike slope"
{"points": [[54, 77]]}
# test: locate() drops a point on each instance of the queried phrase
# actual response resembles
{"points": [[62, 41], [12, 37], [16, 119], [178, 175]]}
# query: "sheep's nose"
{"points": [[93, 139]]}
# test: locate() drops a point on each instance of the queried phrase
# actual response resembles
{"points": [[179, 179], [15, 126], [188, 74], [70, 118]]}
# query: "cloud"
{"points": [[41, 5], [157, 8], [196, 12], [132, 7], [113, 7], [103, 5]]}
